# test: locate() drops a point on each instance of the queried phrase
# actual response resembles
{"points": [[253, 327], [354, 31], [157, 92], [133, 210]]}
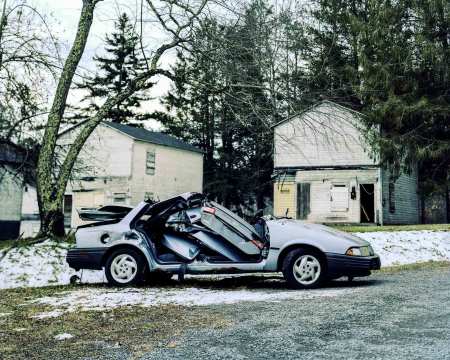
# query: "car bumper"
{"points": [[341, 265], [88, 258]]}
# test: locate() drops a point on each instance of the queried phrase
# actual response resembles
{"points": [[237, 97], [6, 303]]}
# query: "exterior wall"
{"points": [[176, 171], [11, 203], [106, 153], [112, 167], [321, 200], [327, 135], [406, 198]]}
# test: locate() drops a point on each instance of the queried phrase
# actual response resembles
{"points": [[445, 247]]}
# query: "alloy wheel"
{"points": [[123, 268], [307, 269]]}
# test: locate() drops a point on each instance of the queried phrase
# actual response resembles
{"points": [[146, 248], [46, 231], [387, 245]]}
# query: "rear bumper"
{"points": [[340, 265], [87, 258]]}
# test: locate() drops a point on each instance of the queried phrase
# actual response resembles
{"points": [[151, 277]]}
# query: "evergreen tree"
{"points": [[122, 62], [388, 60], [220, 103]]}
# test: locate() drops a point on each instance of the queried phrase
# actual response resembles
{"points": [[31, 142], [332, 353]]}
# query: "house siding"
{"points": [[326, 146], [406, 199], [326, 135], [106, 153], [112, 164], [321, 183], [176, 171], [11, 202]]}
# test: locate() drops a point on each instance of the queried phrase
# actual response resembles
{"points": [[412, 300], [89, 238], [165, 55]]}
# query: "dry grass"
{"points": [[130, 331], [416, 266], [375, 228]]}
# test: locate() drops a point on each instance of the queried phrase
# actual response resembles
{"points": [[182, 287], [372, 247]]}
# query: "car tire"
{"points": [[125, 267], [312, 270]]}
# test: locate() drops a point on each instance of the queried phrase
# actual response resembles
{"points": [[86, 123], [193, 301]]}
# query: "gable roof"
{"points": [[153, 137], [313, 107]]}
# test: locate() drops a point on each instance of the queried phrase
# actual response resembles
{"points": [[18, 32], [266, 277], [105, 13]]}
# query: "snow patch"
{"points": [[45, 264], [42, 264], [63, 336], [101, 299], [407, 247]]}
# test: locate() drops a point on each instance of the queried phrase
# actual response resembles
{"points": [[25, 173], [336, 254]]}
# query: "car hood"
{"points": [[286, 231]]}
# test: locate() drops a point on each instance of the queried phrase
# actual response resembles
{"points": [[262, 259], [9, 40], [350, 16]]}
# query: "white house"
{"points": [[19, 212], [325, 172], [120, 164]]}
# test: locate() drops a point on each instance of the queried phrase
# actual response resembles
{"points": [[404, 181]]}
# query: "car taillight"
{"points": [[257, 243], [209, 210]]}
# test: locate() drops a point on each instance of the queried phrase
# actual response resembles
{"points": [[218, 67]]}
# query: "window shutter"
{"points": [[303, 200]]}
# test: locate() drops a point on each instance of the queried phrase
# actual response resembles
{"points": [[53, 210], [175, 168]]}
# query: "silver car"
{"points": [[189, 234]]}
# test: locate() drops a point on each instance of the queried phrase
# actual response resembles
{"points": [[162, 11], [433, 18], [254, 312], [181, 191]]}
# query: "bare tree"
{"points": [[176, 18]]}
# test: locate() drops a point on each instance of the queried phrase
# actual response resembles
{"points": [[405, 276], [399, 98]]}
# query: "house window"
{"points": [[392, 196], [339, 197], [150, 163]]}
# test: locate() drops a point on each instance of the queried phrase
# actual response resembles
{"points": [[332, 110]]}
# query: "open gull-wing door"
{"points": [[232, 228]]}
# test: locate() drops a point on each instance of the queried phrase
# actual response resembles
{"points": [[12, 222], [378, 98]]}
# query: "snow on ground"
{"points": [[40, 265], [105, 299], [44, 264], [63, 336], [407, 247]]}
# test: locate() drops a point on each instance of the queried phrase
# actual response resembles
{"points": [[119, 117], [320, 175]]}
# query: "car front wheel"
{"points": [[125, 267], [303, 269]]}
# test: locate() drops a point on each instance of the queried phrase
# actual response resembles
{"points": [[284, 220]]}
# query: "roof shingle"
{"points": [[152, 137]]}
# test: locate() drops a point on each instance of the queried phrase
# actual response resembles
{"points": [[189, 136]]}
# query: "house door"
{"points": [[367, 202]]}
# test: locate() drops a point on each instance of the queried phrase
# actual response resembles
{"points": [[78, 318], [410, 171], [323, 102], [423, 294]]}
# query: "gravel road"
{"points": [[404, 315]]}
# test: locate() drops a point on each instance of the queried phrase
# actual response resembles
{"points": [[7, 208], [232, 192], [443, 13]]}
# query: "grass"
{"points": [[130, 331], [376, 228], [416, 266]]}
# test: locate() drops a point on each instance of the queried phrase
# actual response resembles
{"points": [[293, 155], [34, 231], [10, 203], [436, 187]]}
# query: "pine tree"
{"points": [[220, 103], [388, 60], [122, 62]]}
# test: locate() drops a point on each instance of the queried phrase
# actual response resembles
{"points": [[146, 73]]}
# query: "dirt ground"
{"points": [[403, 314]]}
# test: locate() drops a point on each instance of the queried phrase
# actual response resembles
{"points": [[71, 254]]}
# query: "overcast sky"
{"points": [[63, 17]]}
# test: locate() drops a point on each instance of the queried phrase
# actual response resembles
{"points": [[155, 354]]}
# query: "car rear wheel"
{"points": [[125, 267], [304, 269]]}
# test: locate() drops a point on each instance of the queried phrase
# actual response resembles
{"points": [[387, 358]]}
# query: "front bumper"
{"points": [[341, 265], [86, 258]]}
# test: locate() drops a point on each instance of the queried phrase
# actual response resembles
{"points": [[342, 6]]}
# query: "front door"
{"points": [[367, 202]]}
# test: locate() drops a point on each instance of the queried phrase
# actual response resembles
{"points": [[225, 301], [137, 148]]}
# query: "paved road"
{"points": [[390, 316]]}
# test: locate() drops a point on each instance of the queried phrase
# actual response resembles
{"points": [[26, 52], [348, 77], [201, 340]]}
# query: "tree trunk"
{"points": [[52, 223], [50, 195]]}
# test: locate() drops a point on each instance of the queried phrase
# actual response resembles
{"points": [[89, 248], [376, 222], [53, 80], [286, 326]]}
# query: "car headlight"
{"points": [[360, 251]]}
